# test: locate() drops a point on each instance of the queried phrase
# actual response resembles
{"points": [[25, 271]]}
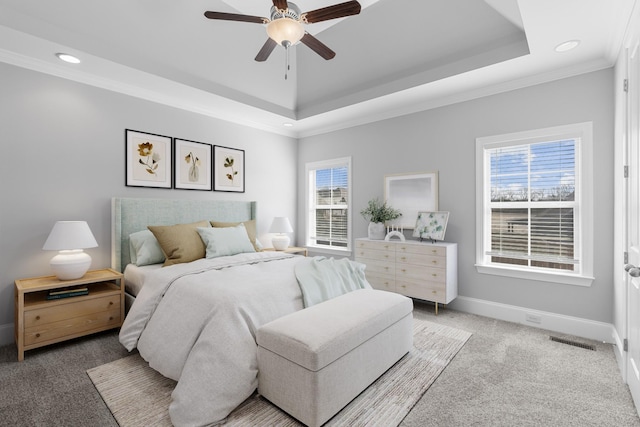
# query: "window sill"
{"points": [[565, 279], [328, 251]]}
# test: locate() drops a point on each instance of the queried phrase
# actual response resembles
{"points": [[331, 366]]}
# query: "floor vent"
{"points": [[573, 343]]}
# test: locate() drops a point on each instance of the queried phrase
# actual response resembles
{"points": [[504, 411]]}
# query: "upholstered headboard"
{"points": [[129, 215]]}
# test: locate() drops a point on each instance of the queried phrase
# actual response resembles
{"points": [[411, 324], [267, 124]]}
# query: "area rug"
{"points": [[139, 396]]}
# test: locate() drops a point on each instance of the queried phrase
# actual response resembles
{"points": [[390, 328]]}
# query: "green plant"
{"points": [[377, 211]]}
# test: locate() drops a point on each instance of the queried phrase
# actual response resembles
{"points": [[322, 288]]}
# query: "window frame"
{"points": [[310, 205], [583, 231]]}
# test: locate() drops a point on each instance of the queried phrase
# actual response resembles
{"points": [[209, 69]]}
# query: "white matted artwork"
{"points": [[228, 169], [192, 170], [411, 193], [148, 159], [431, 225]]}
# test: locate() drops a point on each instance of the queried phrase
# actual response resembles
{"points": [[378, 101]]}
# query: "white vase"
{"points": [[376, 231]]}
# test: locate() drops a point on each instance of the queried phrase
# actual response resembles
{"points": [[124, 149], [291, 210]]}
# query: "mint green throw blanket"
{"points": [[323, 278]]}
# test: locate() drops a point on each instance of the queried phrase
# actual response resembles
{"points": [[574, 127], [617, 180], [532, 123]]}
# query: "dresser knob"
{"points": [[37, 317], [434, 251], [110, 302], [434, 275], [434, 261], [37, 335], [434, 292], [404, 258], [111, 318]]}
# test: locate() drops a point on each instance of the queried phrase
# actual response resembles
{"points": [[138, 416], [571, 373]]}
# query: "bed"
{"points": [[195, 322]]}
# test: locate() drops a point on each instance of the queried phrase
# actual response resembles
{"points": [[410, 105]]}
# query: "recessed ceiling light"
{"points": [[68, 58], [568, 45], [287, 125]]}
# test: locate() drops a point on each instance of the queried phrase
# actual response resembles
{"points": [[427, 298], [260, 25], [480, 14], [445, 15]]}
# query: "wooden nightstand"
{"points": [[40, 322], [291, 250]]}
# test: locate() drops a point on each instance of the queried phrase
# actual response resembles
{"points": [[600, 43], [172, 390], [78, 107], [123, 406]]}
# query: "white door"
{"points": [[633, 224]]}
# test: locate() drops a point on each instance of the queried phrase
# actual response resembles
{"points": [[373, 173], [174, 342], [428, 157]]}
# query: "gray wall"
{"points": [[443, 139], [63, 159]]}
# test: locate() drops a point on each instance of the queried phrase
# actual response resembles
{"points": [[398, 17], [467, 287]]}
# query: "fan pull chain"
{"points": [[286, 64]]}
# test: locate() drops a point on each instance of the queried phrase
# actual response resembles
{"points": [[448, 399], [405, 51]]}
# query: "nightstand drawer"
{"points": [[69, 308], [70, 327]]}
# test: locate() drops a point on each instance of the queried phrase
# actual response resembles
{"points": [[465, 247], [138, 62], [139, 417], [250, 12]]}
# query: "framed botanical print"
{"points": [[228, 169], [431, 225], [148, 159], [192, 165]]}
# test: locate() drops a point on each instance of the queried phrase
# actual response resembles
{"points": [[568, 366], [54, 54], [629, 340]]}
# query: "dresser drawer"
{"points": [[378, 245], [382, 282], [429, 291], [73, 326], [372, 254], [424, 249], [69, 308], [416, 273], [377, 267], [417, 259]]}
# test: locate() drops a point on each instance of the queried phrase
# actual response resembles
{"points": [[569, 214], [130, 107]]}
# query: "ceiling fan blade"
{"points": [[280, 4], [266, 50], [234, 17], [317, 46], [332, 12]]}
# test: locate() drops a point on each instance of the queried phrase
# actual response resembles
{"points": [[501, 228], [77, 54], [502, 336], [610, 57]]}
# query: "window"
{"points": [[534, 204], [329, 204]]}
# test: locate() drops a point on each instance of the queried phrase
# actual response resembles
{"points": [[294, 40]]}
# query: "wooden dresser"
{"points": [[422, 270]]}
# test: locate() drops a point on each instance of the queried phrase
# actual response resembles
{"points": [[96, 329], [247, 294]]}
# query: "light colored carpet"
{"points": [[139, 396]]}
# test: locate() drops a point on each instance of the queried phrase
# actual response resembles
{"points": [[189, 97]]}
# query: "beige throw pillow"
{"points": [[181, 242]]}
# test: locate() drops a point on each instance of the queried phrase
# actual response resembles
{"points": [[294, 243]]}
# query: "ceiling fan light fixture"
{"points": [[283, 30]]}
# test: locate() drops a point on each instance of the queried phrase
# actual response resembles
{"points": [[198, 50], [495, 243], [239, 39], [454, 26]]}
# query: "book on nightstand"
{"points": [[65, 293]]}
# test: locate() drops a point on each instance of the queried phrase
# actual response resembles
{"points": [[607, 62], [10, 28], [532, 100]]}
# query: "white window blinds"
{"points": [[533, 204]]}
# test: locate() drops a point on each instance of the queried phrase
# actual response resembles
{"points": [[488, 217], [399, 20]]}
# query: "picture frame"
{"points": [[147, 159], [411, 193], [228, 169], [192, 165], [431, 225]]}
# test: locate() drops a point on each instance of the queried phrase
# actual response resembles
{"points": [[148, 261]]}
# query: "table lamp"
{"points": [[70, 238], [280, 225]]}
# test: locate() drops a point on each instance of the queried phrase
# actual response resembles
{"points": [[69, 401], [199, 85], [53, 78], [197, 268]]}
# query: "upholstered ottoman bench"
{"points": [[313, 362]]}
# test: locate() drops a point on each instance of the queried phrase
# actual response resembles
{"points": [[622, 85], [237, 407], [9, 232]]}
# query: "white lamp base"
{"points": [[280, 242], [70, 264]]}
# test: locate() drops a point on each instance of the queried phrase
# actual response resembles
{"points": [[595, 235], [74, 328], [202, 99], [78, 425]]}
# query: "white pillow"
{"points": [[144, 249], [225, 240]]}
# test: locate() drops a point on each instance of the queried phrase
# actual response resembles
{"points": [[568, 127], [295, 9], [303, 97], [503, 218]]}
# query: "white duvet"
{"points": [[196, 323]]}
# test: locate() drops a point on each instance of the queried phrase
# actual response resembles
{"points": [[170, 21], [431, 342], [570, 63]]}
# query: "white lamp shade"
{"points": [[280, 225], [282, 29], [70, 237]]}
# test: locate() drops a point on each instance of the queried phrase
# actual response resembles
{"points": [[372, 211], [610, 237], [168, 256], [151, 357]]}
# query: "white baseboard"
{"points": [[585, 328], [621, 358], [6, 334]]}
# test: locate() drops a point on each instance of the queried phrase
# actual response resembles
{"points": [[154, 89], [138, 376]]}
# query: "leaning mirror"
{"points": [[411, 193]]}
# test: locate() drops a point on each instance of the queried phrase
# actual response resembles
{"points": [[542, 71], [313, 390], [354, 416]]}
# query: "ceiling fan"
{"points": [[286, 25]]}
